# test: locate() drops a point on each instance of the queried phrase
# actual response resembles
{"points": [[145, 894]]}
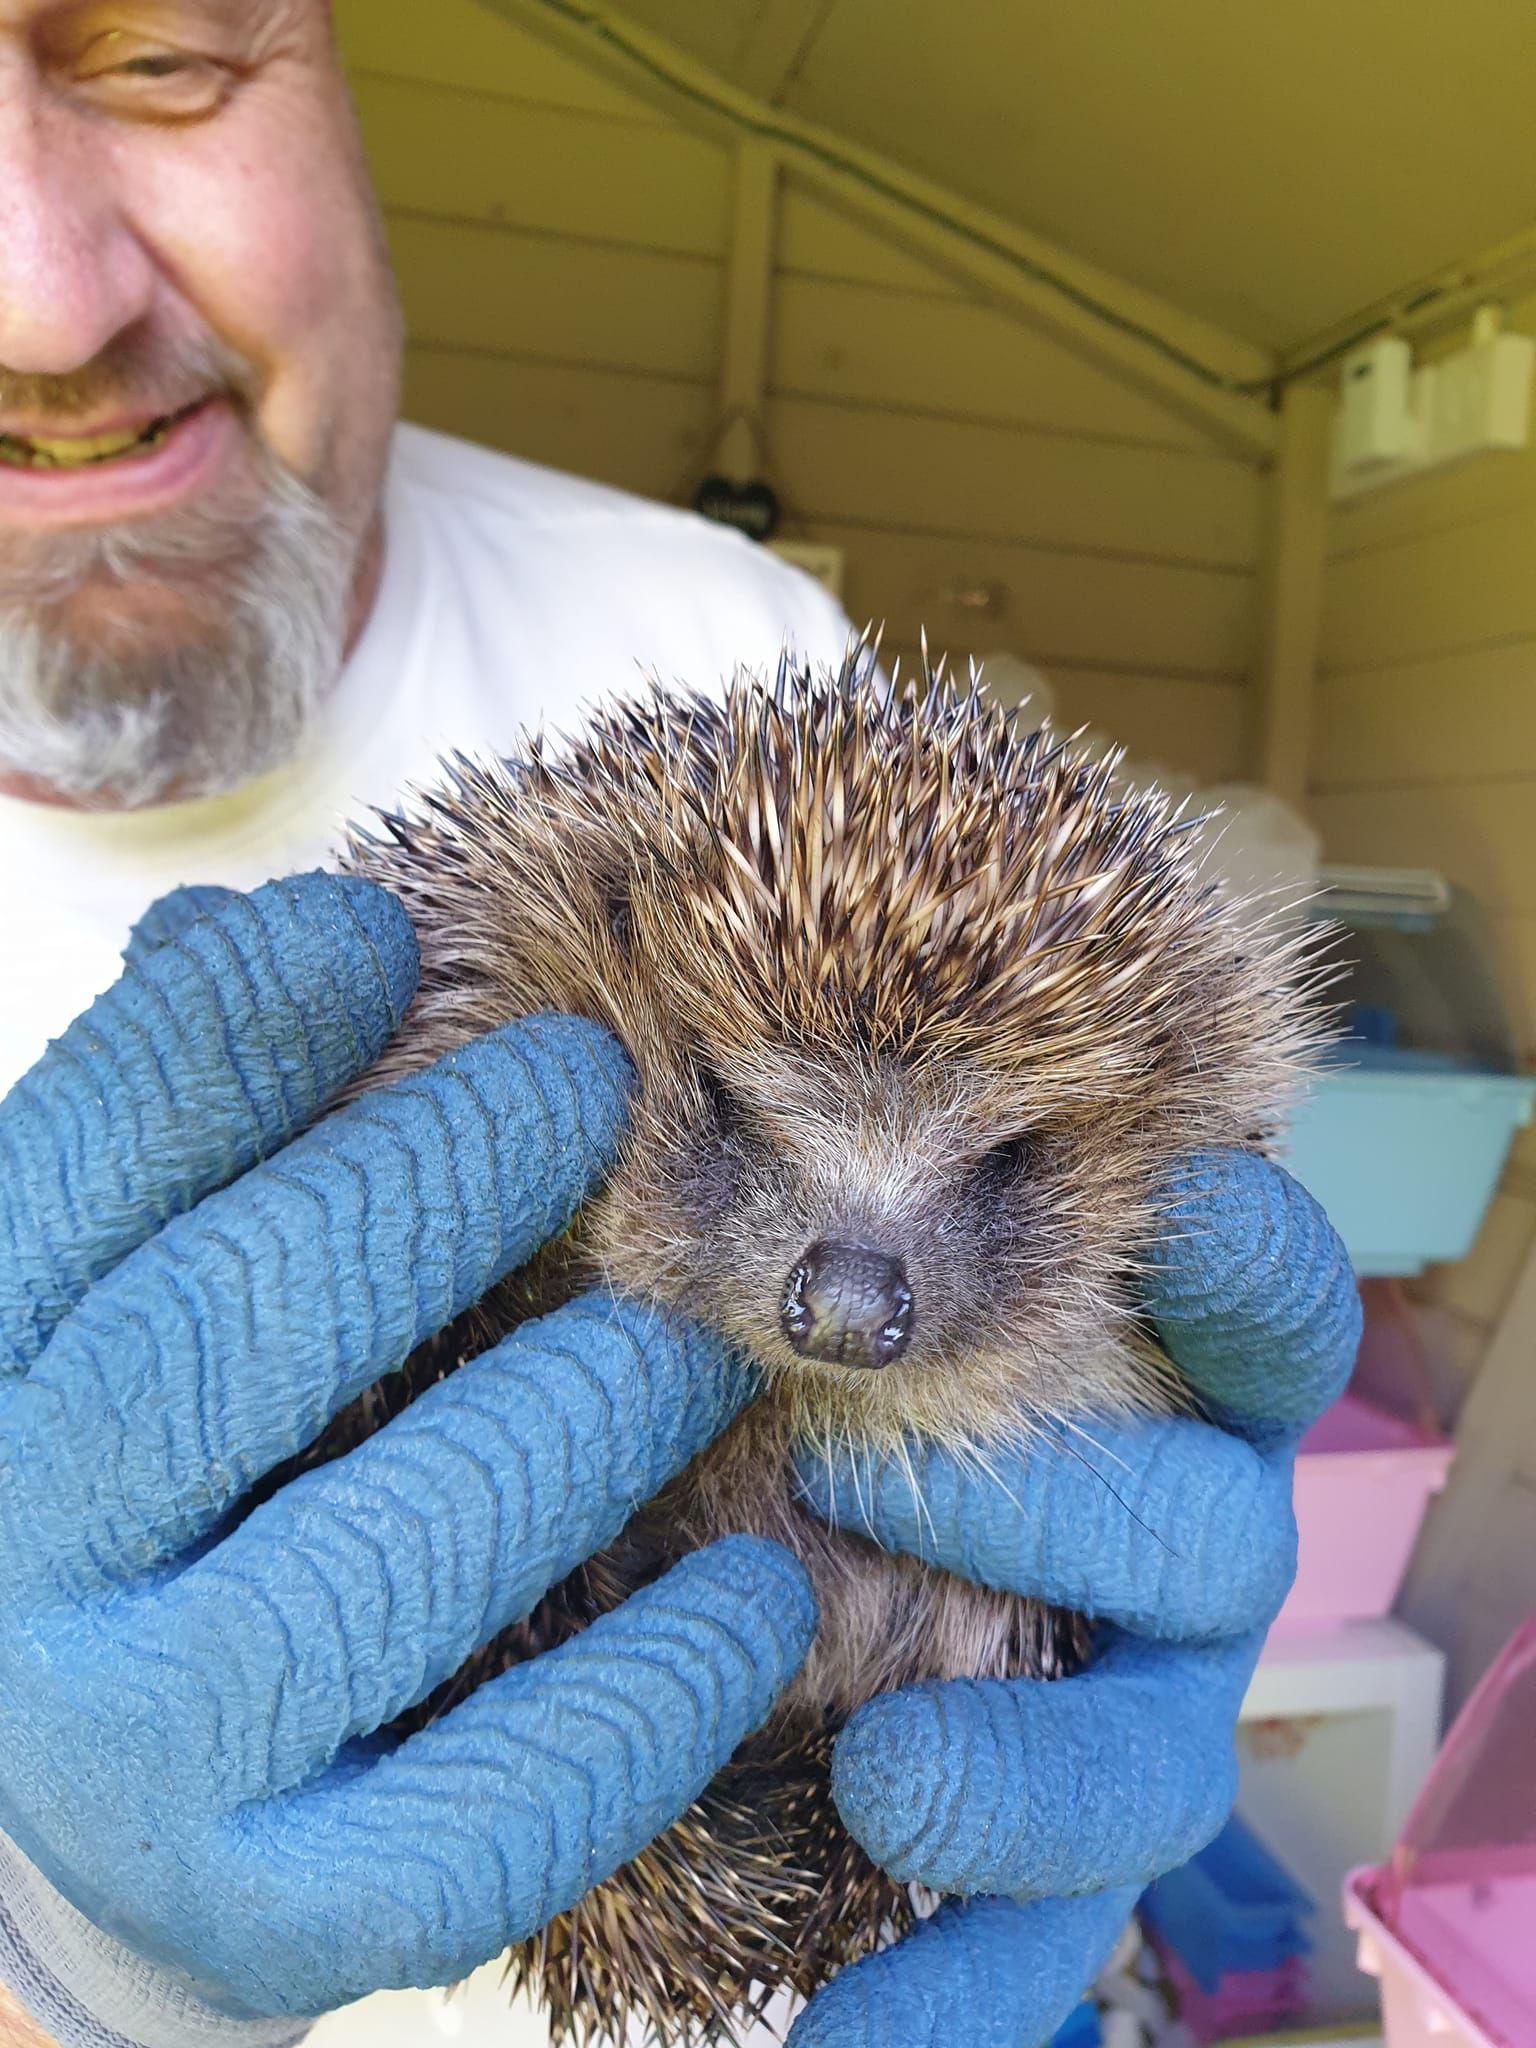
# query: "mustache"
{"points": [[140, 370]]}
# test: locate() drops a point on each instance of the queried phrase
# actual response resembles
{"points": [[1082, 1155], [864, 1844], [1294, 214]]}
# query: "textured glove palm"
{"points": [[190, 1287], [1047, 1808]]}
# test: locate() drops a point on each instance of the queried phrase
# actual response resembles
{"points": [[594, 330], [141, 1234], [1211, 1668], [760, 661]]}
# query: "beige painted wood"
{"points": [[469, 157], [1139, 339], [1291, 599], [1473, 1577], [781, 35], [1454, 718], [1185, 723], [1094, 612], [461, 43], [749, 280], [646, 434], [1272, 166], [907, 471], [818, 241], [506, 291], [1480, 833], [1441, 593], [951, 358], [1437, 503], [1429, 304], [997, 274]]}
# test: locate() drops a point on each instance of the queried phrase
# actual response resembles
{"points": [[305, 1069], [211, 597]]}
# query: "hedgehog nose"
{"points": [[848, 1305]]}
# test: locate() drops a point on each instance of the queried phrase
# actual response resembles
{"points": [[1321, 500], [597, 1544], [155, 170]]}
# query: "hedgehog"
{"points": [[922, 1003]]}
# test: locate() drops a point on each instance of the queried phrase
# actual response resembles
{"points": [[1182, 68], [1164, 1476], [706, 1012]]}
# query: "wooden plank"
{"points": [[950, 358], [510, 292], [1089, 611], [1188, 724], [1437, 502], [462, 43], [1187, 365], [645, 434], [557, 170], [888, 468], [1290, 607], [1238, 424], [818, 241], [1452, 718], [1478, 833], [1438, 594], [749, 282]]}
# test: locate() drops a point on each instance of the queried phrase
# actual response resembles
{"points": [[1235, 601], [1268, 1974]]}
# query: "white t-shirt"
{"points": [[511, 596]]}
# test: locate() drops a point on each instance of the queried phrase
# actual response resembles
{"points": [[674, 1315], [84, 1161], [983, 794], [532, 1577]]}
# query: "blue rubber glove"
{"points": [[1043, 1810], [190, 1287]]}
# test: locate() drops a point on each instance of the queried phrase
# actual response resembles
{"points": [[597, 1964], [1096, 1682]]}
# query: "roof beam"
{"points": [[781, 37], [1194, 369], [1429, 303]]}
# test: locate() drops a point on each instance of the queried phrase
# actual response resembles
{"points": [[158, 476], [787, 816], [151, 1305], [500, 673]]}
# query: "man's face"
{"points": [[199, 361]]}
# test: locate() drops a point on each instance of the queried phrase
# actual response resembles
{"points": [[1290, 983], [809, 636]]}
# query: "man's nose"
{"points": [[848, 1304], [73, 274]]}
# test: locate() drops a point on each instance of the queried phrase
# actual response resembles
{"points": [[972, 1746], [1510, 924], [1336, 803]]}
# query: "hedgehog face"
{"points": [[905, 1246], [922, 1008]]}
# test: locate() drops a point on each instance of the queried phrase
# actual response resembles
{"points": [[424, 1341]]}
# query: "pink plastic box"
{"points": [[1244, 2002], [1364, 1478], [1449, 1923]]}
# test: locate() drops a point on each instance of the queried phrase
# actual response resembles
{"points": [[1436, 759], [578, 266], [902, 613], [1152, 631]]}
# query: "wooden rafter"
{"points": [[1198, 372], [777, 44], [1427, 304]]}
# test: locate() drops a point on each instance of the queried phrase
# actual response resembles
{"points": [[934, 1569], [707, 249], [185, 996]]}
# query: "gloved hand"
{"points": [[1043, 1810], [189, 1288]]}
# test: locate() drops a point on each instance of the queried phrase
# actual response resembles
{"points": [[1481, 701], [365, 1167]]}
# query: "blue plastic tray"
{"points": [[1232, 1909], [1404, 1153], [1080, 2030]]}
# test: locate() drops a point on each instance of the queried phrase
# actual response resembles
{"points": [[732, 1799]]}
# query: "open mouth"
{"points": [[24, 451]]}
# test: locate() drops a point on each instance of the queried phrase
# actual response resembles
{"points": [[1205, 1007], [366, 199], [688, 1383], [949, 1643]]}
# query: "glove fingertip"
{"points": [[903, 1772], [382, 921], [170, 915]]}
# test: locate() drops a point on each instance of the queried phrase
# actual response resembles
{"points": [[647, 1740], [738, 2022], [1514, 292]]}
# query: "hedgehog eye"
{"points": [[620, 915], [726, 1111], [1010, 1160]]}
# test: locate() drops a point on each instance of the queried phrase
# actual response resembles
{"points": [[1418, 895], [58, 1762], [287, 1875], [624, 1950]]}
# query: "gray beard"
{"points": [[128, 726]]}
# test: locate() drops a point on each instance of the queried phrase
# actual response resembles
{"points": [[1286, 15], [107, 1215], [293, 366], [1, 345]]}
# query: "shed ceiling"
{"points": [[1272, 167]]}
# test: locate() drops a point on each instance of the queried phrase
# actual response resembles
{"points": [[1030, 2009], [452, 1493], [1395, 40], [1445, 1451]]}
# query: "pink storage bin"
{"points": [[1244, 2002], [1364, 1478], [1449, 1922]]}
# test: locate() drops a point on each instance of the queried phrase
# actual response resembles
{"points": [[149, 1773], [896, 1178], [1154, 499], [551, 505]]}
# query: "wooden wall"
{"points": [[1425, 754], [561, 252]]}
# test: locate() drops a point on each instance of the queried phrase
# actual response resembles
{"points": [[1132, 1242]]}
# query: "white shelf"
{"points": [[1356, 1709]]}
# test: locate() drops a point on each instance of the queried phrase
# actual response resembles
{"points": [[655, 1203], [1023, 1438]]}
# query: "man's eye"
{"points": [[124, 75]]}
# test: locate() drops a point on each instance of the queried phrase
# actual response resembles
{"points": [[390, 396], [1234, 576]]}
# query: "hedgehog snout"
{"points": [[848, 1304]]}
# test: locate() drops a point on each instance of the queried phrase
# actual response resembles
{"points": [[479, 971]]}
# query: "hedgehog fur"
{"points": [[895, 969]]}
